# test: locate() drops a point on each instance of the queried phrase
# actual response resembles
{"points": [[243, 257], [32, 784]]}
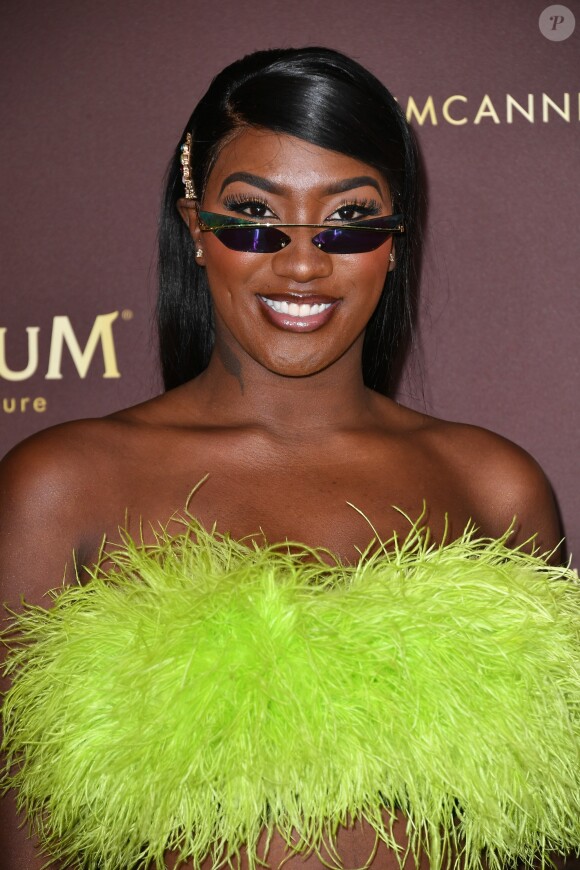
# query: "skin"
{"points": [[280, 422]]}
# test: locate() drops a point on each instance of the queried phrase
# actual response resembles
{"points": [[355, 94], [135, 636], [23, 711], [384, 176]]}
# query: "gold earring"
{"points": [[186, 168]]}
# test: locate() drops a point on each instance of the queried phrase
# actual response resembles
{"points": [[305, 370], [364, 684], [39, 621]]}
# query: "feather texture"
{"points": [[203, 690]]}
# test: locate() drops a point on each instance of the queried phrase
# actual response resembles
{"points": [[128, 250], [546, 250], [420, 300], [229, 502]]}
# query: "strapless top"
{"points": [[201, 690]]}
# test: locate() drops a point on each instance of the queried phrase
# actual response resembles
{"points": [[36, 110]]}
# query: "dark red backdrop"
{"points": [[94, 96]]}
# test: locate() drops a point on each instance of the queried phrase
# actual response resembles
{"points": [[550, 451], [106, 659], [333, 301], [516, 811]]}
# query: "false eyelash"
{"points": [[233, 199], [371, 206]]}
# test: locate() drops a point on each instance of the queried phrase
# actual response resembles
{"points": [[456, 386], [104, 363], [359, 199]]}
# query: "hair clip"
{"points": [[186, 168]]}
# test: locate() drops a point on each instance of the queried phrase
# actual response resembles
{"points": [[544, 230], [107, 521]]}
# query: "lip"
{"points": [[296, 322]]}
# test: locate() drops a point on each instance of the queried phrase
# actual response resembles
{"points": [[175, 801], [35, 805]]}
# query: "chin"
{"points": [[297, 368]]}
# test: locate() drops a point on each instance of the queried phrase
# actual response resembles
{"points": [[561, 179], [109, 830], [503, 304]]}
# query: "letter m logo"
{"points": [[63, 333]]}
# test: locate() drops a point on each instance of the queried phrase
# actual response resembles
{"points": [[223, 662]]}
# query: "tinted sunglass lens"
{"points": [[254, 240], [339, 240]]}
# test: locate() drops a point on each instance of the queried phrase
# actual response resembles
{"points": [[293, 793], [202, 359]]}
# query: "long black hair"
{"points": [[325, 98]]}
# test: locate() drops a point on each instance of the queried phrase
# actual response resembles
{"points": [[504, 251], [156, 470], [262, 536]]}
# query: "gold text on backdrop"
{"points": [[22, 404], [62, 334], [458, 109]]}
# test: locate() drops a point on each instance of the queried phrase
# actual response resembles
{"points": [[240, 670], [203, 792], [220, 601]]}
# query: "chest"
{"points": [[337, 496]]}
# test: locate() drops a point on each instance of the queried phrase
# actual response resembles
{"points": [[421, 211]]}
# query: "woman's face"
{"points": [[297, 310]]}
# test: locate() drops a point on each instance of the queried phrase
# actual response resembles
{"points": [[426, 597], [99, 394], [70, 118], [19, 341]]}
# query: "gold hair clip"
{"points": [[186, 168]]}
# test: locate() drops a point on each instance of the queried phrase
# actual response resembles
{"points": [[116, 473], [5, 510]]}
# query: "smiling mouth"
{"points": [[292, 313], [296, 309]]}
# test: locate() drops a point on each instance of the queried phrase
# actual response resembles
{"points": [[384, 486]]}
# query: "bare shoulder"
{"points": [[483, 453], [63, 489], [502, 481], [60, 458], [489, 478], [53, 490], [70, 456]]}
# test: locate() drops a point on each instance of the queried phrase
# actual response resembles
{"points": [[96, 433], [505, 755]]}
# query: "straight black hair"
{"points": [[325, 98]]}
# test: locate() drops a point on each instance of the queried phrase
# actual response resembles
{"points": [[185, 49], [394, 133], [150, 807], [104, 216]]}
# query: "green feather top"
{"points": [[203, 690]]}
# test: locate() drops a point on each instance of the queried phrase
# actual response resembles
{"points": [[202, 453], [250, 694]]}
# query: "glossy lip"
{"points": [[296, 323]]}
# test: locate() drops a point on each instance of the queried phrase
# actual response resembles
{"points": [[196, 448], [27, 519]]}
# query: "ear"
{"points": [[187, 209]]}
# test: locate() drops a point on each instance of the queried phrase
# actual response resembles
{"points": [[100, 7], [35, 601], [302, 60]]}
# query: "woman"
{"points": [[277, 348]]}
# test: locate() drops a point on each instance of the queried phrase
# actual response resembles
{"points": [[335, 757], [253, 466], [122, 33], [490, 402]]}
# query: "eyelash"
{"points": [[239, 201], [368, 207]]}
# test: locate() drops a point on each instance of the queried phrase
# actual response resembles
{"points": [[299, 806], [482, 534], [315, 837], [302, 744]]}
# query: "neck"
{"points": [[239, 391]]}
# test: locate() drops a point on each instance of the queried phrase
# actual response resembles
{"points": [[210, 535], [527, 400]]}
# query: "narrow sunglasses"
{"points": [[255, 237]]}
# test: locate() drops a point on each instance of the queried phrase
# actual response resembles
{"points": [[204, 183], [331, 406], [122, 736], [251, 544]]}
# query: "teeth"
{"points": [[294, 309]]}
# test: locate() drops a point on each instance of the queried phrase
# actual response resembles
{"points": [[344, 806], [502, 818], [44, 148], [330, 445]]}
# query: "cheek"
{"points": [[228, 272], [377, 263], [368, 272]]}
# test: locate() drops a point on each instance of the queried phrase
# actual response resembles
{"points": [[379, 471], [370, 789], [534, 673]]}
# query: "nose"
{"points": [[301, 260]]}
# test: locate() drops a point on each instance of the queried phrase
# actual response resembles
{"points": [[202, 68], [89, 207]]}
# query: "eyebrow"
{"points": [[351, 183], [255, 180], [270, 186]]}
